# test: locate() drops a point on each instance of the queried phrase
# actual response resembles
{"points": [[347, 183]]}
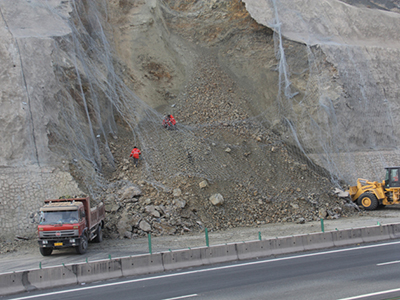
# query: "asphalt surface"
{"points": [[28, 256], [362, 272]]}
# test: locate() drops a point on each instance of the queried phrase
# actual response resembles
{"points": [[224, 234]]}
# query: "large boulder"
{"points": [[164, 228], [177, 192], [145, 226], [217, 199], [203, 184], [124, 226], [151, 209], [130, 192]]}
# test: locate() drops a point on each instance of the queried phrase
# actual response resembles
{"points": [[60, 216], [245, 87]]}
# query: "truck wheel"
{"points": [[368, 201], [83, 245], [99, 235], [46, 251]]}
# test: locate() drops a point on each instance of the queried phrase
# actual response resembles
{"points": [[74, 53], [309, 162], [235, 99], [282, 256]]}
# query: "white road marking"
{"points": [[207, 270], [182, 297], [371, 294], [389, 263]]}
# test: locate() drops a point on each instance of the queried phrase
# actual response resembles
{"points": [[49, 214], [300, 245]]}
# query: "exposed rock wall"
{"points": [[318, 71], [22, 190], [28, 82], [350, 101], [27, 101]]}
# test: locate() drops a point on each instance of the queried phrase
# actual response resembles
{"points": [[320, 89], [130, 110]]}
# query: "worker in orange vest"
{"points": [[169, 122], [135, 154]]}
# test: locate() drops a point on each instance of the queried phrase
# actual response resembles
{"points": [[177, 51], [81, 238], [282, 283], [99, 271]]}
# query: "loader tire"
{"points": [[368, 201]]}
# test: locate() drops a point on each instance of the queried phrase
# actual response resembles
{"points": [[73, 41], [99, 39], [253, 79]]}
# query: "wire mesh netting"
{"points": [[343, 120]]}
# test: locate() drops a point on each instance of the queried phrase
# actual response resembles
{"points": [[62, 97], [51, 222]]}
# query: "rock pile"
{"points": [[137, 209], [273, 184], [134, 209]]}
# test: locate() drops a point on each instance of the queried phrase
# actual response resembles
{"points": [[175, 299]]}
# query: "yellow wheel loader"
{"points": [[372, 194]]}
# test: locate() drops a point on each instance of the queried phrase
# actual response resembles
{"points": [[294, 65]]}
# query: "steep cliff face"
{"points": [[161, 46], [320, 73], [314, 86], [27, 80], [263, 92], [349, 104]]}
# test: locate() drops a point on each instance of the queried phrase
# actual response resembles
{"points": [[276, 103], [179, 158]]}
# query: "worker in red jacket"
{"points": [[169, 122], [135, 154]]}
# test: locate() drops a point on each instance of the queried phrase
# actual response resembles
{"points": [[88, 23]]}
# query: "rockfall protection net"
{"points": [[339, 125], [344, 119], [94, 92]]}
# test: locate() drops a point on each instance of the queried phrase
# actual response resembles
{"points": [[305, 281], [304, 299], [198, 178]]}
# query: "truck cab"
{"points": [[69, 223], [65, 214]]}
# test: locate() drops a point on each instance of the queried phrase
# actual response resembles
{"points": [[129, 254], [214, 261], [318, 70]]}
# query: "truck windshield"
{"points": [[59, 217]]}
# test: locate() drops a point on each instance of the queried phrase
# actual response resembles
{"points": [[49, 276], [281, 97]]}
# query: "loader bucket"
{"points": [[353, 191]]}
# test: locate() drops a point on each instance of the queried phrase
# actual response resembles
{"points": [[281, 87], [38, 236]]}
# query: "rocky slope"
{"points": [[244, 131], [267, 179], [272, 183]]}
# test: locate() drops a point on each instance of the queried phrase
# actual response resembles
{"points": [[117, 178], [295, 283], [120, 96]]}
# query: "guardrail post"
{"points": [[206, 232], [149, 237], [322, 225]]}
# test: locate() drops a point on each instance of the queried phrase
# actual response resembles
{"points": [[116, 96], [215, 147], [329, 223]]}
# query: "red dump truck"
{"points": [[69, 223]]}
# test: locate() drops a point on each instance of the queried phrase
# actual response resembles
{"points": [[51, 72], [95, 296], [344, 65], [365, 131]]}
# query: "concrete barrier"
{"points": [[182, 259], [289, 244], [52, 277], [255, 249], [11, 283], [30, 280], [142, 264], [347, 237], [218, 254], [394, 230], [21, 281], [375, 233], [98, 270], [316, 240]]}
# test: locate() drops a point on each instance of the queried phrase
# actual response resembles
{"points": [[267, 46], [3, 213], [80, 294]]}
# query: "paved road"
{"points": [[369, 270], [29, 257]]}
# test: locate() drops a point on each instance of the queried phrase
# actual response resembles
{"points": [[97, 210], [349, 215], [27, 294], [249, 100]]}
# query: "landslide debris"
{"points": [[263, 177], [218, 108], [294, 190]]}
